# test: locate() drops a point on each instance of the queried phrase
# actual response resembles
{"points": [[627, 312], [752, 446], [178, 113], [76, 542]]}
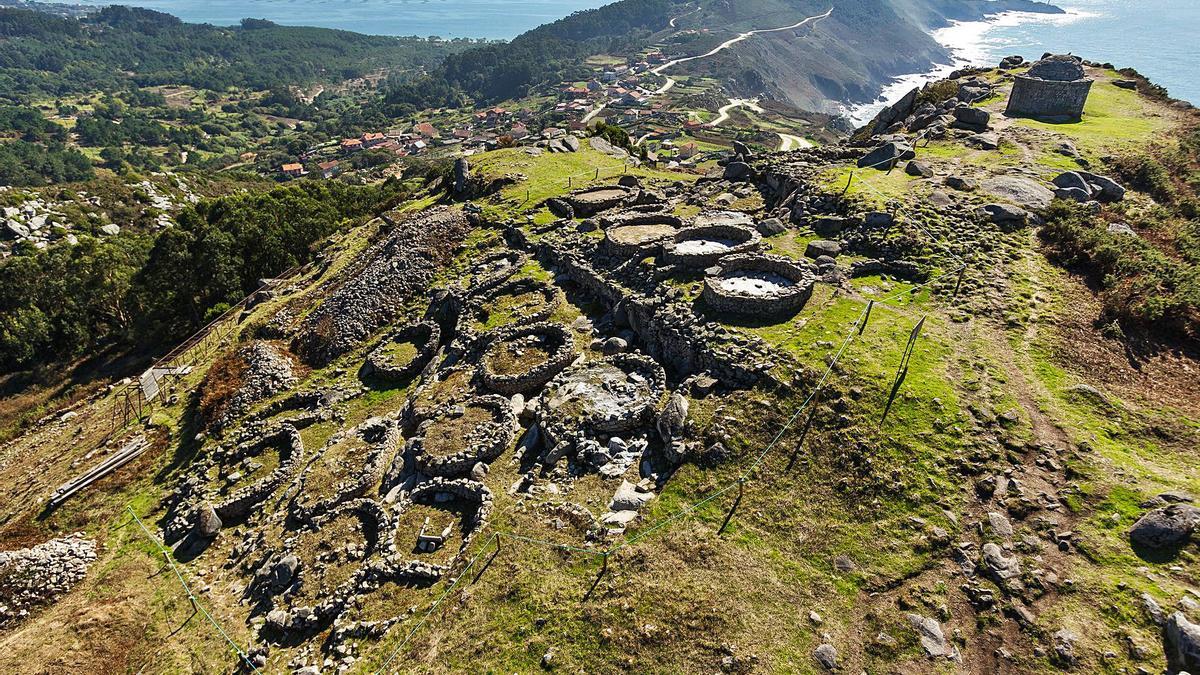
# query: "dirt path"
{"points": [[789, 142]]}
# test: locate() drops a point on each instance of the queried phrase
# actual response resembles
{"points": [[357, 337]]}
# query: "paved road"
{"points": [[723, 113], [726, 45]]}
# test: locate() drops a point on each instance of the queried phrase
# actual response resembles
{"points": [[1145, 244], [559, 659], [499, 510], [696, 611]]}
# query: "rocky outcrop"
{"points": [[1165, 528], [1181, 642]]}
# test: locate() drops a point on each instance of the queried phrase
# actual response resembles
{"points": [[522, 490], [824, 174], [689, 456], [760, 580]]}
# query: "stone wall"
{"points": [[372, 295], [382, 436], [769, 303], [669, 330], [483, 444], [291, 454], [559, 340], [745, 240], [1048, 99], [426, 335]]}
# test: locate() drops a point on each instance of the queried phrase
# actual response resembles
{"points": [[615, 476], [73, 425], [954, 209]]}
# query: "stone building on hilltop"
{"points": [[1054, 89]]}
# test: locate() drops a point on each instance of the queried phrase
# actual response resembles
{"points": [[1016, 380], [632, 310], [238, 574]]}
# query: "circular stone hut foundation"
{"points": [[521, 359], [758, 286], [349, 465], [332, 565], [494, 270], [405, 352], [608, 396], [640, 234], [436, 522], [525, 300], [458, 436], [702, 246], [591, 201], [254, 470]]}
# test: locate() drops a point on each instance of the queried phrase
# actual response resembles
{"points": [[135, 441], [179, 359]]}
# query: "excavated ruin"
{"points": [[758, 286], [608, 396], [701, 246], [373, 293], [523, 358], [350, 463], [244, 477], [324, 567], [404, 352], [456, 437], [638, 233], [525, 300], [590, 201]]}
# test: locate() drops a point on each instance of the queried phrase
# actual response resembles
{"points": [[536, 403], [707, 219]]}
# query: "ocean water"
{"points": [[1160, 38], [492, 19]]}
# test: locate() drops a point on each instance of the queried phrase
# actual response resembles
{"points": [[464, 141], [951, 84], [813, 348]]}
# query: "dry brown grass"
{"points": [[223, 380]]}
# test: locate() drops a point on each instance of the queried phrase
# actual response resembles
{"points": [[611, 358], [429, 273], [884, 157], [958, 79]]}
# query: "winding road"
{"points": [[790, 142], [726, 45], [723, 113]]}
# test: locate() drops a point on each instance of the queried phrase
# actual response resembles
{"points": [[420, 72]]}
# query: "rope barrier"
{"points": [[437, 603], [191, 596]]}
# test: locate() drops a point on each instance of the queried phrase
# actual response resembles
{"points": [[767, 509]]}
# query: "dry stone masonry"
{"points": [[758, 286], [399, 267], [1055, 89]]}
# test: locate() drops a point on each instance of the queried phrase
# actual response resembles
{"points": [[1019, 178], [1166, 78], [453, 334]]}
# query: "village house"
{"points": [[328, 169], [519, 131], [293, 170], [351, 145], [572, 92], [427, 130], [373, 139]]}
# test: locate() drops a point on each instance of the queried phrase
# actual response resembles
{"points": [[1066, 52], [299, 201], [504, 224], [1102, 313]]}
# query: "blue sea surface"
{"points": [[493, 19], [1160, 38]]}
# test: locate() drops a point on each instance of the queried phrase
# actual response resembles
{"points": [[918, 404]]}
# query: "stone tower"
{"points": [[1054, 90]]}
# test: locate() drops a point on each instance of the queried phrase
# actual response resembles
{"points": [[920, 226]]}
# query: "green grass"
{"points": [[872, 186], [1113, 117], [547, 175]]}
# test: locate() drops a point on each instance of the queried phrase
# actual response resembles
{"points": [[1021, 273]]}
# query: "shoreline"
{"points": [[968, 46]]}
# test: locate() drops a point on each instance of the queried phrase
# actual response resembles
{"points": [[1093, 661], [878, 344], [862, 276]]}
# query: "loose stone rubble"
{"points": [[33, 577], [267, 372], [399, 267]]}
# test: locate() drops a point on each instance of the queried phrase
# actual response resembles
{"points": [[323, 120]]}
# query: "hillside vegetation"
{"points": [[934, 463]]}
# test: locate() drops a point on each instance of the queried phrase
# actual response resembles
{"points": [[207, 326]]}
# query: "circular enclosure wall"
{"points": [[458, 436], [521, 359], [703, 245], [758, 286]]}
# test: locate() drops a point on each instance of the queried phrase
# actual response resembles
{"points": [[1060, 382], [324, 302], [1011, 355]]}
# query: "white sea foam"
{"points": [[970, 44]]}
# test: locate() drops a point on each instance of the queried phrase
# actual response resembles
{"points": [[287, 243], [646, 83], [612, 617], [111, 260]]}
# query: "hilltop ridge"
{"points": [[920, 400]]}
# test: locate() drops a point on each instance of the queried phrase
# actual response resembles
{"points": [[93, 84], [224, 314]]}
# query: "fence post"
{"points": [[736, 502], [958, 284], [863, 326], [849, 179], [902, 371], [603, 569], [488, 564]]}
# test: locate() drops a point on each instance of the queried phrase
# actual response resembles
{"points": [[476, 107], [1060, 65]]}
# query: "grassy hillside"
{"points": [[1017, 411]]}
